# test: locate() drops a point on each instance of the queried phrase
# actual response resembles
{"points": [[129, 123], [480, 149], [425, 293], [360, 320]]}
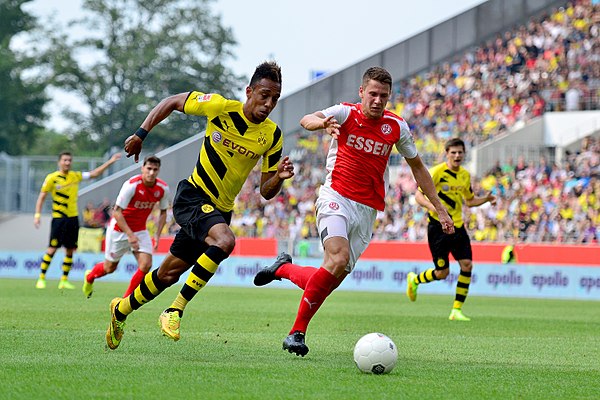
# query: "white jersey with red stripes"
{"points": [[137, 201], [357, 162]]}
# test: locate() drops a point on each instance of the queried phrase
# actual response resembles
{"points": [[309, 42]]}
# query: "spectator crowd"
{"points": [[537, 202]]}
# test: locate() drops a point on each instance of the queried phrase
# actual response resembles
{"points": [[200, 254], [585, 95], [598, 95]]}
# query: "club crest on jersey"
{"points": [[217, 137], [203, 97], [207, 208], [386, 129], [334, 206], [262, 140], [157, 194], [445, 188]]}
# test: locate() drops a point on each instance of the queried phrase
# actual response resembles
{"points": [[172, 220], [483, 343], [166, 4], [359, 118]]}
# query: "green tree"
{"points": [[21, 99], [133, 53]]}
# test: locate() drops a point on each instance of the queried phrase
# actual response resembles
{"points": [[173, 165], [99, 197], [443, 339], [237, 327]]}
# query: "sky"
{"points": [[304, 35]]}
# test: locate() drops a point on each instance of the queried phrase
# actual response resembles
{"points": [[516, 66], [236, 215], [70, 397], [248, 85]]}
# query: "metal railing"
{"points": [[21, 178]]}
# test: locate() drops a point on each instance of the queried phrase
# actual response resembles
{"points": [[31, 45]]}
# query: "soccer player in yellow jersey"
{"points": [[237, 136], [63, 186], [453, 185]]}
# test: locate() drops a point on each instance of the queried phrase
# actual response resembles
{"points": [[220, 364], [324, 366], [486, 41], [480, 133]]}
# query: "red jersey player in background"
{"points": [[127, 228], [354, 190]]}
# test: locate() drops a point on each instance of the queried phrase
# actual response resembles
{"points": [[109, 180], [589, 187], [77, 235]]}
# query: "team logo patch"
{"points": [[207, 208], [445, 188], [334, 206], [200, 98], [54, 242], [157, 194], [386, 129], [217, 137], [441, 263], [262, 140]]}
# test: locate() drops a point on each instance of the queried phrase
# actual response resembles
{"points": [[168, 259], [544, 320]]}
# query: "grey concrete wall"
{"points": [[177, 163]]}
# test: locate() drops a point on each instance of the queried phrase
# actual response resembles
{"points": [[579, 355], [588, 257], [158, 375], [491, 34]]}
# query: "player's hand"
{"points": [[285, 169], [491, 198], [115, 157], [446, 221], [331, 126], [134, 242], [133, 147], [156, 241], [36, 222]]}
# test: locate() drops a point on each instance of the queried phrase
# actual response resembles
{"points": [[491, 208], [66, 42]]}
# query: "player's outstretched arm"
{"points": [[98, 171], [317, 120], [133, 144]]}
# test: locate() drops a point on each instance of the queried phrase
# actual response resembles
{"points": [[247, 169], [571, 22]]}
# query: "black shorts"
{"points": [[196, 214], [441, 244], [64, 232]]}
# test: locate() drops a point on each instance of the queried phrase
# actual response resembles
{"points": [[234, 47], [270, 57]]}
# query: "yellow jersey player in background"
{"points": [[453, 186], [237, 136], [63, 186]]}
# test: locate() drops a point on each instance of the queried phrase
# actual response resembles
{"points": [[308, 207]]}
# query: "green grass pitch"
{"points": [[52, 347]]}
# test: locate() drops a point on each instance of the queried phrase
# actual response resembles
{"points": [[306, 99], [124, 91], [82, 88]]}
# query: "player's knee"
{"points": [[225, 242]]}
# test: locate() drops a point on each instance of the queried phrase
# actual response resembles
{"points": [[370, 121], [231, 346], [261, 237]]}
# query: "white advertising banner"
{"points": [[508, 280]]}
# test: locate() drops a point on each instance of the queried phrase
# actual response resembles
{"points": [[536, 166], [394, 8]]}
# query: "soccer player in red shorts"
{"points": [[127, 228]]}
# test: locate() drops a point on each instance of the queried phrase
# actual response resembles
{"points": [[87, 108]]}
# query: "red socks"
{"points": [[297, 274], [136, 279], [97, 272], [318, 287]]}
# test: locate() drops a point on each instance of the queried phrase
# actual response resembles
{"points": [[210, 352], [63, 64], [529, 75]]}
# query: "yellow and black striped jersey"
{"points": [[64, 190], [452, 187], [231, 148]]}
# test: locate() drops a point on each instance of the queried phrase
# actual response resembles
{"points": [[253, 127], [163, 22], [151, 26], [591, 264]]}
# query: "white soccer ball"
{"points": [[375, 353]]}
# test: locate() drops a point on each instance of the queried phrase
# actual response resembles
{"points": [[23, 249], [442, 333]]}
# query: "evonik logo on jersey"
{"points": [[231, 145]]}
